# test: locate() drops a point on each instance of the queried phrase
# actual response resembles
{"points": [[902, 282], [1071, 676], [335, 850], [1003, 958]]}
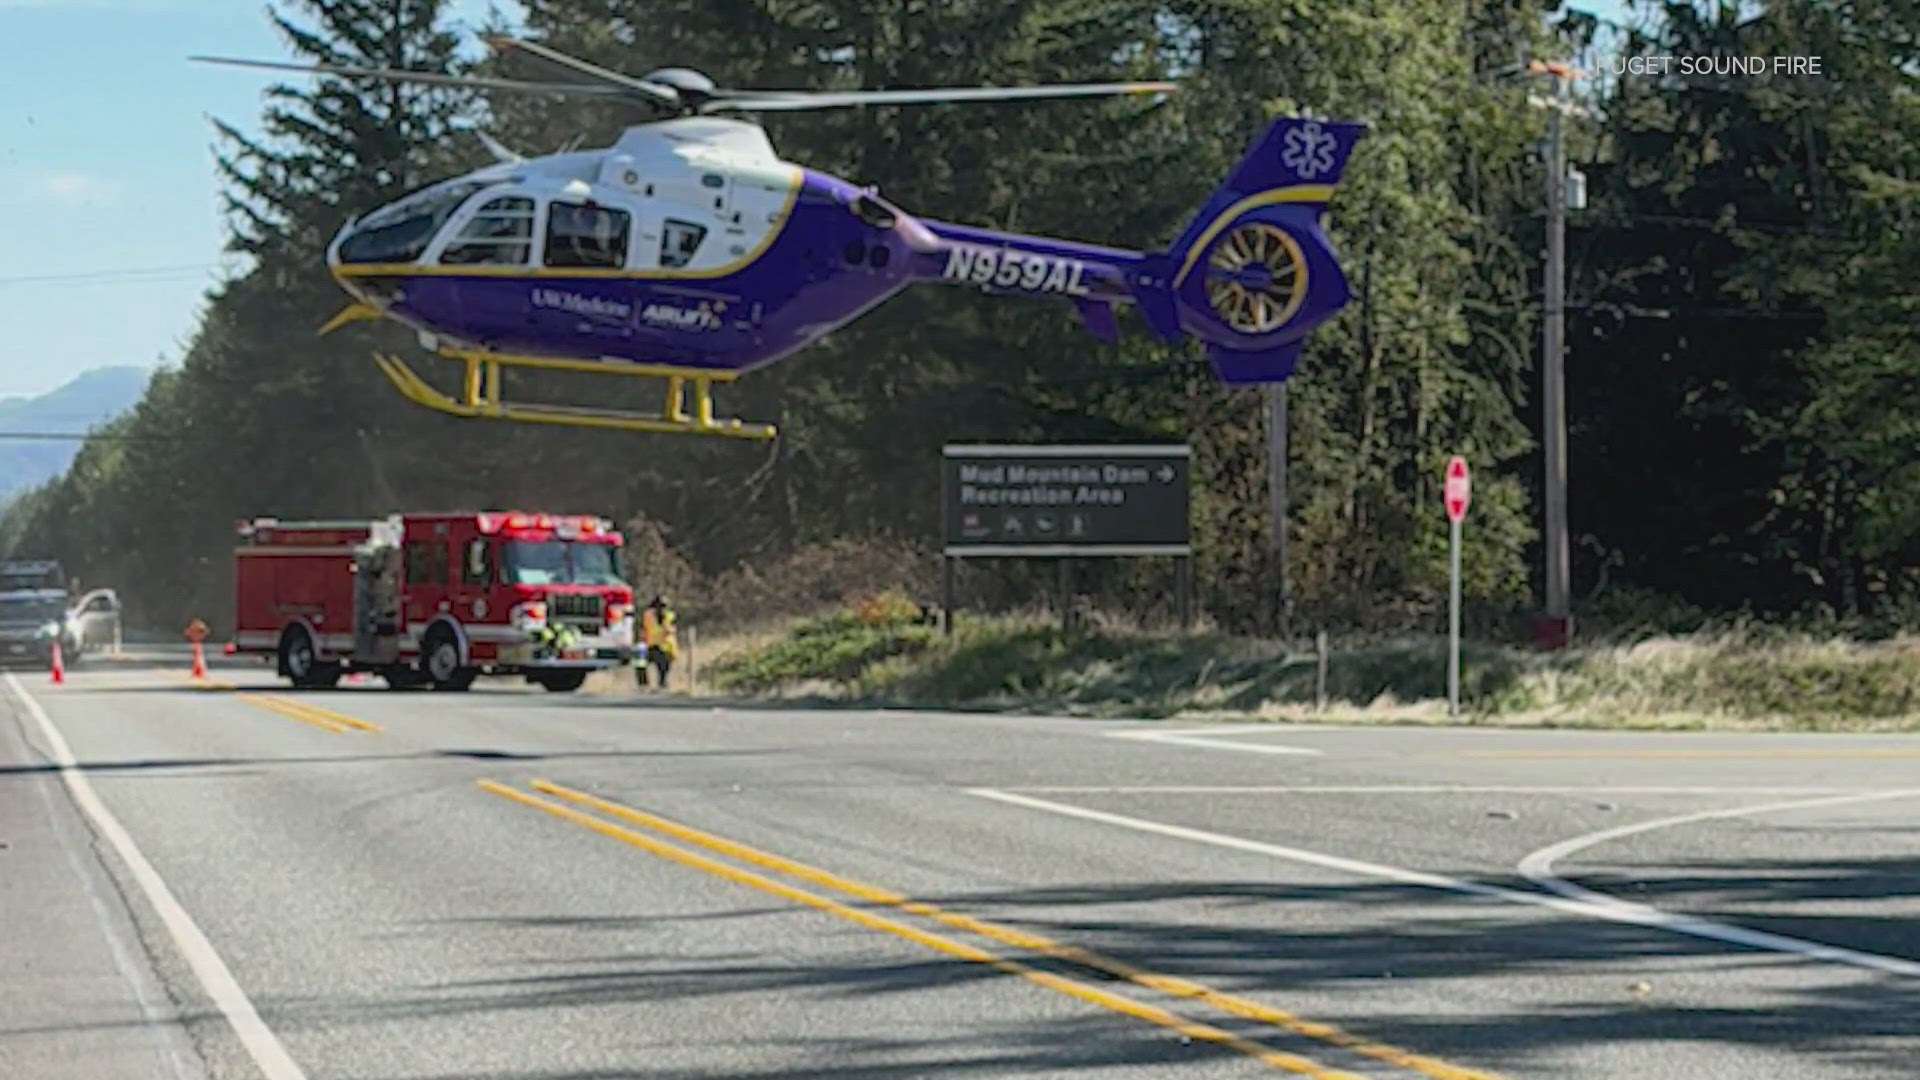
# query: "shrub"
{"points": [[835, 648], [818, 577], [1794, 682], [882, 578]]}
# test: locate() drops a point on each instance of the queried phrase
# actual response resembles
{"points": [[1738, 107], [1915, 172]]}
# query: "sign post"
{"points": [[1458, 492]]}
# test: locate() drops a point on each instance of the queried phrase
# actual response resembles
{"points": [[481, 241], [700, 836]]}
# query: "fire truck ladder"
{"points": [[481, 400]]}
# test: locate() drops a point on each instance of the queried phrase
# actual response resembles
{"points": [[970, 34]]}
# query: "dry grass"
{"points": [[692, 675], [802, 582], [1728, 680]]}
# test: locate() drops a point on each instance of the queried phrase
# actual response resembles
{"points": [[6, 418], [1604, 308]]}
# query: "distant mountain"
{"points": [[94, 397]]}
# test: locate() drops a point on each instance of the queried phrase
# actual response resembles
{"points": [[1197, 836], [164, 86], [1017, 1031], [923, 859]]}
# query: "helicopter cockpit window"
{"points": [[499, 233], [401, 232], [678, 241], [589, 236]]}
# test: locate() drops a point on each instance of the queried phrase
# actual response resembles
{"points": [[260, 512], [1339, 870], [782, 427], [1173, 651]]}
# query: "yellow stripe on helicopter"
{"points": [[1297, 193]]}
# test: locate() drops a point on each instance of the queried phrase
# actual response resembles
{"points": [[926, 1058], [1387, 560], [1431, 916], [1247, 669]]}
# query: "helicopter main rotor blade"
{"points": [[402, 75], [498, 149], [794, 100], [664, 95]]}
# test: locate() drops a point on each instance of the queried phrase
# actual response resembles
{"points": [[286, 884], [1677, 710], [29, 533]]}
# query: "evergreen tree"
{"points": [[262, 418], [1740, 351], [863, 413], [1737, 366], [1400, 381]]}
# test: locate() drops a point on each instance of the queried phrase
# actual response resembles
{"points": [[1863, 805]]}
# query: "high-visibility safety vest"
{"points": [[656, 631]]}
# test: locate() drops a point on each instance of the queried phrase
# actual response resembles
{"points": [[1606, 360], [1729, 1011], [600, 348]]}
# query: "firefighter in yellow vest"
{"points": [[659, 642], [552, 641]]}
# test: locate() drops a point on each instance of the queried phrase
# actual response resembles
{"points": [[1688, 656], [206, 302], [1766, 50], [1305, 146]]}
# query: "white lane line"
{"points": [[156, 1019], [1245, 748], [1599, 907], [1187, 737], [260, 1042], [1538, 866], [1426, 789], [1159, 732], [162, 1027]]}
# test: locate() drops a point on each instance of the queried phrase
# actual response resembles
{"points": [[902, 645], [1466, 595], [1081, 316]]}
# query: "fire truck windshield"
{"points": [[560, 562]]}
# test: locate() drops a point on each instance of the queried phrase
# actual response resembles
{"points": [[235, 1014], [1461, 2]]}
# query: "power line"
{"points": [[67, 435], [104, 275], [104, 437]]}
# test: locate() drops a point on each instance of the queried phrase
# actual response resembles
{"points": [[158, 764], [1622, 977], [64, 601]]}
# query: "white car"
{"points": [[95, 619]]}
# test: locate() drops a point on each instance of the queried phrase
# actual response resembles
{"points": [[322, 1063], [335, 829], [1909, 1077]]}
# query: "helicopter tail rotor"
{"points": [[1254, 273]]}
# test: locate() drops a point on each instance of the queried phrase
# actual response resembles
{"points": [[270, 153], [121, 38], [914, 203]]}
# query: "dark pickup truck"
{"points": [[31, 620], [19, 575]]}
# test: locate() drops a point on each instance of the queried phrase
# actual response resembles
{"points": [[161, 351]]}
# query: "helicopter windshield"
{"points": [[401, 232]]}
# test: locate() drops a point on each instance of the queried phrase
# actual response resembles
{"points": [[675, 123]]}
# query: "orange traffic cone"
{"points": [[199, 661], [59, 669]]}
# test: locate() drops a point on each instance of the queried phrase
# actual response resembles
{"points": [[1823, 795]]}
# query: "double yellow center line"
{"points": [[566, 803], [1230, 1004], [324, 719], [338, 723]]}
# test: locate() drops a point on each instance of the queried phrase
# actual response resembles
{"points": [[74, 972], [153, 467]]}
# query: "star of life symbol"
{"points": [[1308, 150]]}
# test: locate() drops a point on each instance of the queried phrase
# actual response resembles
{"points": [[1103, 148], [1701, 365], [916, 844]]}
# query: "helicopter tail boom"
{"points": [[1251, 275], [1002, 262]]}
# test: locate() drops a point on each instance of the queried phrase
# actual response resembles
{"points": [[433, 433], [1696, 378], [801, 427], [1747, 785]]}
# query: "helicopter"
{"points": [[689, 251]]}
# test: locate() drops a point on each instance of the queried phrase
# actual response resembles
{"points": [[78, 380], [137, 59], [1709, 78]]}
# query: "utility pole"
{"points": [[1553, 371], [1553, 400], [1277, 496]]}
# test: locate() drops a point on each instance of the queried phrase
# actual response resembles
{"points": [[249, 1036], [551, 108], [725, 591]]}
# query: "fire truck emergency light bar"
{"points": [[493, 523], [488, 523]]}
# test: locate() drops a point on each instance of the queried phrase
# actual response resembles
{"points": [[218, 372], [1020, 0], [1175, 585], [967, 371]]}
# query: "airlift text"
{"points": [[1016, 269]]}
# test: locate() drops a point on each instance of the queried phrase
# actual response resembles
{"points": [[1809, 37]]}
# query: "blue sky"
{"points": [[109, 204]]}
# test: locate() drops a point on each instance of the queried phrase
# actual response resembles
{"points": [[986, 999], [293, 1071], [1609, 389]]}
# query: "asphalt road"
{"points": [[243, 881]]}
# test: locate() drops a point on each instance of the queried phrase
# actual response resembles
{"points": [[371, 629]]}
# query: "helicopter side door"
{"points": [[500, 230], [494, 236], [740, 207], [587, 248], [701, 213], [682, 221]]}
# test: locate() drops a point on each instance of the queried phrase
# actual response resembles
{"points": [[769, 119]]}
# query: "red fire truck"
{"points": [[434, 599]]}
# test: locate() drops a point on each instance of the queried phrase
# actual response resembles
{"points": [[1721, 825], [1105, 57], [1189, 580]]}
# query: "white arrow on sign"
{"points": [[1166, 474]]}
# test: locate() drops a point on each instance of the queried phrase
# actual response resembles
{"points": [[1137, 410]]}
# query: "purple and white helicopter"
{"points": [[689, 251]]}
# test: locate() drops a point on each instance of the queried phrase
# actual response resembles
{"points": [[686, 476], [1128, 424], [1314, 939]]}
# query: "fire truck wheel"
{"points": [[298, 662], [440, 659], [562, 682]]}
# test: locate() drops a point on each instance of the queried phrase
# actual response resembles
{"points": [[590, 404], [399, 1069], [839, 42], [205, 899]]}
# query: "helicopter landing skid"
{"points": [[480, 396]]}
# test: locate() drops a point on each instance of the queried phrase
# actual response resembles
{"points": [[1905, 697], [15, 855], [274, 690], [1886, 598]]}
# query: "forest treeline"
{"points": [[1741, 361]]}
